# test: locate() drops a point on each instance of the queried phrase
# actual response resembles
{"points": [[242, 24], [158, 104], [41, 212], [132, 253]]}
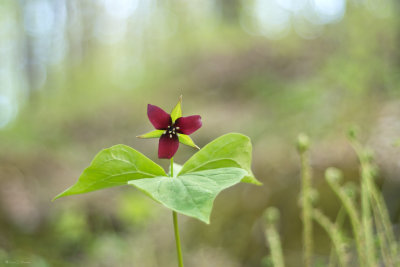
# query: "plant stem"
{"points": [[335, 234], [350, 207], [380, 208], [272, 236], [367, 217], [176, 227], [306, 209], [172, 168], [366, 214], [339, 224]]}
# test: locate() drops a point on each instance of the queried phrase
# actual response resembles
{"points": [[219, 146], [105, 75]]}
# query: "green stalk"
{"points": [[271, 217], [335, 235], [333, 176], [176, 227], [379, 207], [374, 200], [306, 201], [380, 233], [366, 215], [339, 224]]}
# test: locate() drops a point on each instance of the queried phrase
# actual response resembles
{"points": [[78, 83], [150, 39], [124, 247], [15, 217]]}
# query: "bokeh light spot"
{"points": [[330, 11], [39, 17]]}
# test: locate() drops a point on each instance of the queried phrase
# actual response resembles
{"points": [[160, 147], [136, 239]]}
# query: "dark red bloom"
{"points": [[171, 130]]}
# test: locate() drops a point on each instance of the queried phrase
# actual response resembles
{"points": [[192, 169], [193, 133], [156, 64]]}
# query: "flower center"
{"points": [[172, 131]]}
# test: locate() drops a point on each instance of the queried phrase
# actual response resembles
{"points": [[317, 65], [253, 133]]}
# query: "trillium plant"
{"points": [[188, 189]]}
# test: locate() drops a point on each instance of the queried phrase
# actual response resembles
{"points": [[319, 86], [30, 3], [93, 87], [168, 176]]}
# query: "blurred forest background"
{"points": [[76, 76]]}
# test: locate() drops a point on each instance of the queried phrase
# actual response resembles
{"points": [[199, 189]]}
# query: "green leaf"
{"points": [[193, 193], [229, 150], [177, 111], [152, 134], [186, 140], [112, 167]]}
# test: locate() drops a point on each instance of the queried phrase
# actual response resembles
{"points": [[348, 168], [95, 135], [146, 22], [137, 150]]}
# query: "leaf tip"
{"points": [[251, 180], [66, 192], [57, 197], [255, 181], [258, 183], [205, 220], [152, 134]]}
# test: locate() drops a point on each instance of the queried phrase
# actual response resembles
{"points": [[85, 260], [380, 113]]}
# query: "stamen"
{"points": [[169, 127], [177, 128], [165, 132], [170, 136]]}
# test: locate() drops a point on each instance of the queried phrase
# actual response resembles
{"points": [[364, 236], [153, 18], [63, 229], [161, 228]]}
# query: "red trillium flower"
{"points": [[171, 129]]}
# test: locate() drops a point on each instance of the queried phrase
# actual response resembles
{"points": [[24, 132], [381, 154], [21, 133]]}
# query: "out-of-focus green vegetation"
{"points": [[75, 77], [372, 240]]}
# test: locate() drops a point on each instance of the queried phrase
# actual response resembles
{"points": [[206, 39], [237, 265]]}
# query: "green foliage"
{"points": [[334, 234], [183, 138], [271, 218], [152, 134], [230, 150], [112, 167], [177, 111], [192, 193], [219, 165], [374, 238], [186, 140], [306, 199]]}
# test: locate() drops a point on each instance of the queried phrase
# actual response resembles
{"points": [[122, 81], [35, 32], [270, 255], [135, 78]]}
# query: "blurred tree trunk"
{"points": [[28, 65], [229, 10]]}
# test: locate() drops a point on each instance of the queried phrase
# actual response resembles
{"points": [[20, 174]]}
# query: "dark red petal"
{"points": [[167, 146], [158, 117], [188, 125]]}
